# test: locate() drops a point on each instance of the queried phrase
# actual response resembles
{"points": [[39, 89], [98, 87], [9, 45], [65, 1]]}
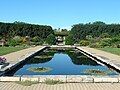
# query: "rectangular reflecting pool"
{"points": [[61, 62]]}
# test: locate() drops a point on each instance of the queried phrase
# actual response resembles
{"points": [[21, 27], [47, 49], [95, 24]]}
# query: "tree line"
{"points": [[80, 31], [9, 30], [97, 34], [20, 33]]}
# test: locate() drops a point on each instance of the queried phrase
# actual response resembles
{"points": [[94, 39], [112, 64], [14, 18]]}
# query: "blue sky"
{"points": [[60, 13]]}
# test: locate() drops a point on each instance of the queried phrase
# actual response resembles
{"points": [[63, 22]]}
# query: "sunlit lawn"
{"points": [[6, 50], [111, 50]]}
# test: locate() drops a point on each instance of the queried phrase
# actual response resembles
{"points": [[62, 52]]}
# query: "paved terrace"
{"points": [[16, 57], [107, 57], [66, 86]]}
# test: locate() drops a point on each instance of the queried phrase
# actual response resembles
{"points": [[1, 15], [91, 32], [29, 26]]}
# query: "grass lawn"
{"points": [[111, 50], [6, 50]]}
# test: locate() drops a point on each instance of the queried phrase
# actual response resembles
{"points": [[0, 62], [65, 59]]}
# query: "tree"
{"points": [[10, 30], [95, 29], [98, 23], [51, 40], [36, 39], [12, 42], [104, 35], [69, 40], [105, 42], [84, 43]]}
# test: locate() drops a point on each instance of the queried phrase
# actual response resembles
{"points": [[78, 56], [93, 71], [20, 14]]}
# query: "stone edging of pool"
{"points": [[21, 61], [64, 78], [99, 59]]}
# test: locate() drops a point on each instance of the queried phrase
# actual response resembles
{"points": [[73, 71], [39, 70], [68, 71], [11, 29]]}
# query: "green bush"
{"points": [[37, 43], [17, 40], [95, 45], [105, 42], [12, 42], [89, 37], [84, 43], [36, 39], [52, 82], [104, 35], [115, 40], [69, 40], [51, 40], [26, 83]]}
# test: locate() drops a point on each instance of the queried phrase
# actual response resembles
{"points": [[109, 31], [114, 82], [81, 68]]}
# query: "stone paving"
{"points": [[109, 58], [103, 54], [65, 86], [16, 56]]}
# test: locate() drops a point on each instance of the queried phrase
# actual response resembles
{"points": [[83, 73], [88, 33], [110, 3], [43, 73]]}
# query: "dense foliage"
{"points": [[97, 34], [23, 29], [80, 31], [51, 40], [69, 40], [20, 33]]}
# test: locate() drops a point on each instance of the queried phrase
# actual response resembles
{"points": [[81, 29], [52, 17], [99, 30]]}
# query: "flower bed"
{"points": [[2, 60]]}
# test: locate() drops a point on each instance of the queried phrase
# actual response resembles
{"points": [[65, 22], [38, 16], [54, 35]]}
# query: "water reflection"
{"points": [[37, 60], [62, 62], [43, 57], [80, 59], [76, 57]]}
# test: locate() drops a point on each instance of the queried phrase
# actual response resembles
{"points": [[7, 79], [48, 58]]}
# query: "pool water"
{"points": [[63, 62]]}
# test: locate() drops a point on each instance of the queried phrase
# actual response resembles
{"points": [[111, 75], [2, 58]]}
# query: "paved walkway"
{"points": [[115, 59], [67, 86], [16, 56]]}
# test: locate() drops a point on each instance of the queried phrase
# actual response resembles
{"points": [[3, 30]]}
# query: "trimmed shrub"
{"points": [[105, 42], [95, 45], [12, 42], [84, 43], [17, 40]]}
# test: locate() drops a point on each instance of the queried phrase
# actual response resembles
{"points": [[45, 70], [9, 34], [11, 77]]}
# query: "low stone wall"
{"points": [[64, 78]]}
